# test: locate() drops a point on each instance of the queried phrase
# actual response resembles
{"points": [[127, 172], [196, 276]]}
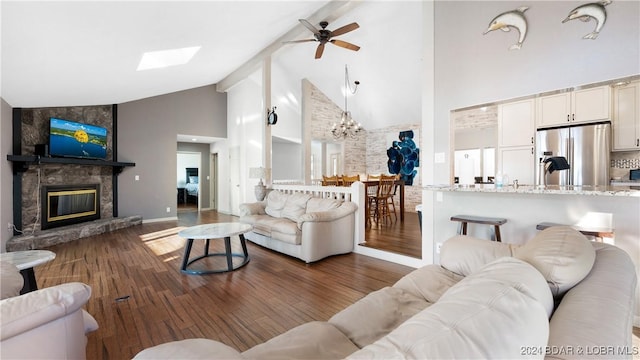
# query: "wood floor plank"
{"points": [[140, 298]]}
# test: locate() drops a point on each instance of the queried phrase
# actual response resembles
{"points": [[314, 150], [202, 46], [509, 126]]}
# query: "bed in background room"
{"points": [[191, 187]]}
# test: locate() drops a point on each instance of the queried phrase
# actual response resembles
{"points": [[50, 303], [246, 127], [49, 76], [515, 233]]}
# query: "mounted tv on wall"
{"points": [[73, 139]]}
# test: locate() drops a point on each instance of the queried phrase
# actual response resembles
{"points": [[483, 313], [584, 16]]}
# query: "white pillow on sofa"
{"points": [[319, 204], [275, 203], [562, 254], [295, 206], [464, 255]]}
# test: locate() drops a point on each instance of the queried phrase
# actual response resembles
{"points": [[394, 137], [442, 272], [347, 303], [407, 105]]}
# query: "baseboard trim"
{"points": [[146, 221]]}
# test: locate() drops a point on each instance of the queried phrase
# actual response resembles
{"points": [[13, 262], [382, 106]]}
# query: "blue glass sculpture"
{"points": [[404, 157]]}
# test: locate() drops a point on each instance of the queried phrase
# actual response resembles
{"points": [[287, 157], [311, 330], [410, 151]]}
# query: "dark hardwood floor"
{"points": [[400, 237], [141, 299]]}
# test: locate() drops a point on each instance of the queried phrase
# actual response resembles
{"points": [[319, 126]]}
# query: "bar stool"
{"points": [[465, 219]]}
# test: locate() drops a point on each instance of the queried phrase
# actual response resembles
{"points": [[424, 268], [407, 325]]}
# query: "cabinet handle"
{"points": [[637, 142], [532, 139], [531, 151], [573, 117], [568, 117]]}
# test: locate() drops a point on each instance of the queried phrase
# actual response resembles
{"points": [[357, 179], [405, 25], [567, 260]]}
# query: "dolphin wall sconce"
{"points": [[515, 19], [586, 12], [511, 19]]}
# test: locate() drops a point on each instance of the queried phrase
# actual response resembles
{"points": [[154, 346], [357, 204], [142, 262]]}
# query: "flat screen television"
{"points": [[73, 139]]}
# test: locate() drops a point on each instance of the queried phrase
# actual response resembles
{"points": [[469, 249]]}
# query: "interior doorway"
{"points": [[188, 176]]}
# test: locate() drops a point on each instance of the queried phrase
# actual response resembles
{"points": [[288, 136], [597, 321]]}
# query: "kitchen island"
{"points": [[618, 190], [525, 207]]}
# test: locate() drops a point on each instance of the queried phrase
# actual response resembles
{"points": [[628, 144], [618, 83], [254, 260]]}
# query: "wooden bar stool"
{"points": [[465, 219], [597, 232]]}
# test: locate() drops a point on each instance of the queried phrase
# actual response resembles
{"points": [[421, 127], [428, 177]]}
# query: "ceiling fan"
{"points": [[324, 36]]}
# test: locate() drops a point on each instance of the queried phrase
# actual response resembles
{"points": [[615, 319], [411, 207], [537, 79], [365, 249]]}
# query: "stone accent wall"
{"points": [[35, 130], [476, 118], [377, 145], [325, 113]]}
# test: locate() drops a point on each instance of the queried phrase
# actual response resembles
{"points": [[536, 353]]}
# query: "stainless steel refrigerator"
{"points": [[586, 147]]}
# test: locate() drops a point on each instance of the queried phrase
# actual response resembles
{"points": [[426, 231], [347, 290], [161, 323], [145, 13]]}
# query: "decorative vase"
{"points": [[260, 190]]}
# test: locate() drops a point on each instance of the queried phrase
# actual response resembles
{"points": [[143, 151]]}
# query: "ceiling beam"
{"points": [[329, 12]]}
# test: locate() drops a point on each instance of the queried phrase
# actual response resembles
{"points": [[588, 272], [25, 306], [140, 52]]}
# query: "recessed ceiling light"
{"points": [[166, 58]]}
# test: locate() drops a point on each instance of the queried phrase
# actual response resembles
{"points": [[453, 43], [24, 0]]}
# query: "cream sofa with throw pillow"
{"points": [[557, 296], [44, 324], [301, 225]]}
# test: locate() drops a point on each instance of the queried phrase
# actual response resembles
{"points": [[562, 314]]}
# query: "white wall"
{"points": [[287, 165], [246, 127], [286, 96], [147, 135]]}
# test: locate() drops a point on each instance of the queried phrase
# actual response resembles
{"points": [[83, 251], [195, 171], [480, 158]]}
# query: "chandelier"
{"points": [[347, 127]]}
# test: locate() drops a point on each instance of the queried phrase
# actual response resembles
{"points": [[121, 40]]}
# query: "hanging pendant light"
{"points": [[347, 128]]}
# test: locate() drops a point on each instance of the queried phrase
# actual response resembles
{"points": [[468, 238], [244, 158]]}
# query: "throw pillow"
{"points": [[563, 255], [317, 204], [275, 203], [464, 255], [295, 206]]}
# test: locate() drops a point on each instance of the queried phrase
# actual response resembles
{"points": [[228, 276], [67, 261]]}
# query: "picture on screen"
{"points": [[74, 139]]}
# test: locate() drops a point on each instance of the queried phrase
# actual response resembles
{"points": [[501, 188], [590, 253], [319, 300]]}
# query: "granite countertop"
{"points": [[625, 182], [618, 190]]}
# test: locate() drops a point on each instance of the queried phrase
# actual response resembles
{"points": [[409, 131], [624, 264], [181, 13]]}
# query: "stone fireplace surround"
{"points": [[34, 129]]}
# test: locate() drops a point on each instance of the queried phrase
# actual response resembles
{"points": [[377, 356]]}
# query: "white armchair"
{"points": [[47, 323]]}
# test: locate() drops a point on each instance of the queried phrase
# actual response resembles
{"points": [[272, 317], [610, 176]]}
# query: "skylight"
{"points": [[165, 58]]}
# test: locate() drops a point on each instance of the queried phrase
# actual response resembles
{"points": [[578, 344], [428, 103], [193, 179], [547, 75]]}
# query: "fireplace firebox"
{"points": [[69, 204]]}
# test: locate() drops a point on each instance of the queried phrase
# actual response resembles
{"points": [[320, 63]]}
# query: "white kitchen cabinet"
{"points": [[518, 163], [626, 116], [516, 132], [577, 106], [516, 123]]}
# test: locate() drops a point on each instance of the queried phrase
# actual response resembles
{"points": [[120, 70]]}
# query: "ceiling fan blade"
{"points": [[345, 29], [345, 45], [308, 25], [298, 41], [319, 51]]}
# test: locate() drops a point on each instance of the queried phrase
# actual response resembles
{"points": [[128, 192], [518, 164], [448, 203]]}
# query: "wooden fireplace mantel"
{"points": [[21, 162]]}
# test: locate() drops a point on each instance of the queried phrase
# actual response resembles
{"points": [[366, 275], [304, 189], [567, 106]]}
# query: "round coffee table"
{"points": [[25, 261], [214, 231]]}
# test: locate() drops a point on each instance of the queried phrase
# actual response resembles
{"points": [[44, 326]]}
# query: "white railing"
{"points": [[288, 182], [354, 193]]}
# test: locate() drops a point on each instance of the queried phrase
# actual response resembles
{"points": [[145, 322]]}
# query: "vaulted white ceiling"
{"points": [[86, 53]]}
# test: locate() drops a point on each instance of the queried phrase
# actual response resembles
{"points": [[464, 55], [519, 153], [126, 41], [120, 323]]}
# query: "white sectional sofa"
{"points": [[44, 324], [300, 225], [558, 296]]}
